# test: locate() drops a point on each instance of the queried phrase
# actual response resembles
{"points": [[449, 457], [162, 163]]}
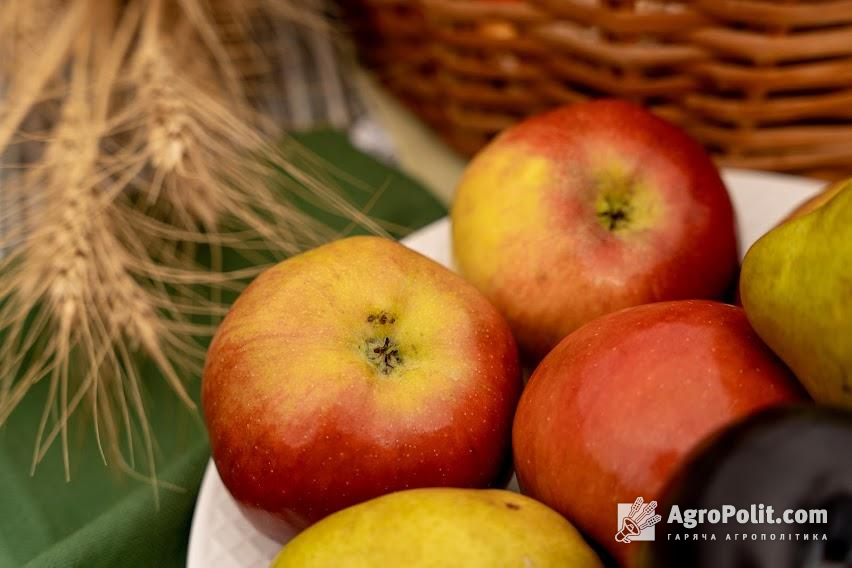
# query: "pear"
{"points": [[796, 288], [817, 200], [441, 527]]}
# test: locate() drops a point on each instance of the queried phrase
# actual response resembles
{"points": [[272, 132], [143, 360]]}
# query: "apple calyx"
{"points": [[616, 188], [614, 211], [381, 350]]}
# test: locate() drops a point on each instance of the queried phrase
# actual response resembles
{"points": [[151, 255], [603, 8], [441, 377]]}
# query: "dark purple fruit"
{"points": [[794, 458]]}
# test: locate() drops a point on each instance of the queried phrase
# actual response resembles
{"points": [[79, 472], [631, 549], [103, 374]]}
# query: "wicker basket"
{"points": [[764, 84]]}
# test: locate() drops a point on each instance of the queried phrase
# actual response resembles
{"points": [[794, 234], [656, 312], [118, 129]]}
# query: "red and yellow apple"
{"points": [[354, 370], [612, 411], [589, 209]]}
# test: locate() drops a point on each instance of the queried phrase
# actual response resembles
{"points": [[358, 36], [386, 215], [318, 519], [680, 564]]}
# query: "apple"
{"points": [[588, 209], [610, 413], [353, 370]]}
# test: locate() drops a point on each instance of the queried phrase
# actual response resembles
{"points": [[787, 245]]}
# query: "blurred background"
{"points": [[763, 85], [155, 154]]}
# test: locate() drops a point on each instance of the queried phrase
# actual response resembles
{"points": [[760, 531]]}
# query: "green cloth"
{"points": [[102, 518]]}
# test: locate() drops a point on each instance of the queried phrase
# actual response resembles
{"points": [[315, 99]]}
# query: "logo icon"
{"points": [[635, 522]]}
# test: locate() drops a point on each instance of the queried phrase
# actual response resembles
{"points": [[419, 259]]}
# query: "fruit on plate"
{"points": [[610, 413], [353, 370], [796, 288], [790, 459], [586, 210], [819, 199], [441, 528]]}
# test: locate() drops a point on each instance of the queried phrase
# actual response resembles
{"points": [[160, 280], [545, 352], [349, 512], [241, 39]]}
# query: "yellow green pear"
{"points": [[438, 528], [817, 200], [796, 288]]}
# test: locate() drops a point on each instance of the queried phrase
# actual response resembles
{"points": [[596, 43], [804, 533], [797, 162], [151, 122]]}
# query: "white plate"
{"points": [[222, 538]]}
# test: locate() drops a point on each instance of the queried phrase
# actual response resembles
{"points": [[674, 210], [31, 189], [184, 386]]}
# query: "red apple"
{"points": [[610, 414], [354, 370], [589, 209]]}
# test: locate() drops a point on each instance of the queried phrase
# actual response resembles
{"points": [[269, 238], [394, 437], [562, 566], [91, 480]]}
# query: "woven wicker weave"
{"points": [[764, 84]]}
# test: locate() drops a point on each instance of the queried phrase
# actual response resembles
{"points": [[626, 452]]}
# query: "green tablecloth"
{"points": [[102, 518]]}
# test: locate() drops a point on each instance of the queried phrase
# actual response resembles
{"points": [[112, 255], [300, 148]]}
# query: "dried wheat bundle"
{"points": [[141, 145]]}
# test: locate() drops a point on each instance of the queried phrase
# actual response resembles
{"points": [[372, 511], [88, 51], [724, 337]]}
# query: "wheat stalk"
{"points": [[23, 26], [93, 309], [52, 271], [142, 163]]}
